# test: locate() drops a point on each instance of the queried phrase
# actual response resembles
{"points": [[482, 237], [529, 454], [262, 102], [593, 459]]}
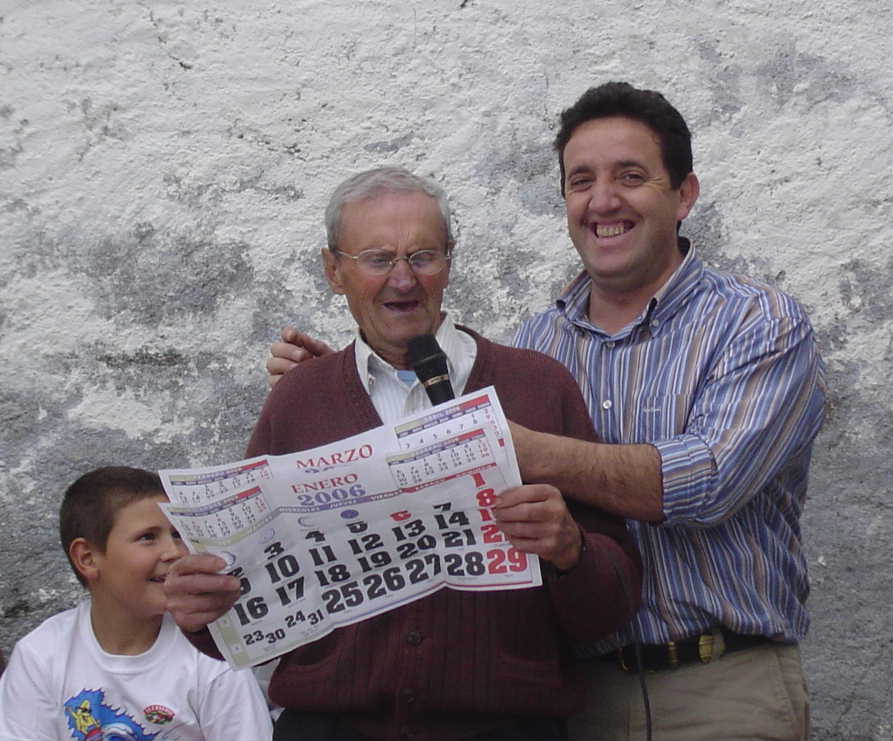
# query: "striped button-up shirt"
{"points": [[721, 375]]}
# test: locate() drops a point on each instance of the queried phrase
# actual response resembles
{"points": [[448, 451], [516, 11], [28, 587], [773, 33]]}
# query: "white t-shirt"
{"points": [[61, 685]]}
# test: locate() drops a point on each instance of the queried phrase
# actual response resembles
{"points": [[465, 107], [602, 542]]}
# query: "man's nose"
{"points": [[402, 277], [603, 196]]}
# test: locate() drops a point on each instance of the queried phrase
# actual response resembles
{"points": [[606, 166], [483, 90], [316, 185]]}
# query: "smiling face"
{"points": [[621, 208], [127, 577], [393, 308]]}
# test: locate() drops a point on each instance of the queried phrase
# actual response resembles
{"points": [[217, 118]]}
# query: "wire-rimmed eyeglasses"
{"points": [[381, 262]]}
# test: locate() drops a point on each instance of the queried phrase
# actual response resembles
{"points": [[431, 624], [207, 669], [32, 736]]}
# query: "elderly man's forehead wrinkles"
{"points": [[412, 235]]}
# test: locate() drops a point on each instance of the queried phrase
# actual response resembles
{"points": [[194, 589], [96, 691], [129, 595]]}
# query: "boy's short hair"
{"points": [[91, 503]]}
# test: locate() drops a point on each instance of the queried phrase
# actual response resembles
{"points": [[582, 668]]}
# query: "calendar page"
{"points": [[334, 535]]}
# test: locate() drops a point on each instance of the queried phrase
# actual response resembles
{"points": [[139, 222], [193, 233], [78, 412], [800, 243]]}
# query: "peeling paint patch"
{"points": [[18, 609], [390, 145], [141, 358], [107, 409], [862, 292]]}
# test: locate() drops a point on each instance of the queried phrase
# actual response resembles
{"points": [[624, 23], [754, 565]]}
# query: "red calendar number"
{"points": [[486, 498], [502, 561]]}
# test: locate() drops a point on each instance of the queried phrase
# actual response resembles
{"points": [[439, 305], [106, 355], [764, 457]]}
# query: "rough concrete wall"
{"points": [[164, 167]]}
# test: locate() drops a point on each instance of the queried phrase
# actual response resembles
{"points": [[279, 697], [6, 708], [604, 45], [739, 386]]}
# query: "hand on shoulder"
{"points": [[293, 348]]}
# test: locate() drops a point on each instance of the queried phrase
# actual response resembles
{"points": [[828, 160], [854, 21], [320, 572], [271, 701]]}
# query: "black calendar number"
{"points": [[252, 609], [453, 563], [455, 519], [332, 601], [274, 549], [408, 550], [471, 565], [244, 584], [377, 559], [374, 586], [338, 600], [409, 530], [299, 617], [418, 568], [459, 538], [368, 542], [335, 573], [285, 567]]}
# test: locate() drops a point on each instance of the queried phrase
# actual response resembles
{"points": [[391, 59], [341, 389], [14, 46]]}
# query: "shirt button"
{"points": [[610, 344], [607, 404], [655, 324], [414, 638]]}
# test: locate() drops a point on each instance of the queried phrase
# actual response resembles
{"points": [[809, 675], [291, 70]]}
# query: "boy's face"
{"points": [[141, 547]]}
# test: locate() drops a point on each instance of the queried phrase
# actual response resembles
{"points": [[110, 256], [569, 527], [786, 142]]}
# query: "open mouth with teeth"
{"points": [[614, 229], [401, 306]]}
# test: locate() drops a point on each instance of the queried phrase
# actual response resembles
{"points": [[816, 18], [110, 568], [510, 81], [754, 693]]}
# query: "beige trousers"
{"points": [[758, 693]]}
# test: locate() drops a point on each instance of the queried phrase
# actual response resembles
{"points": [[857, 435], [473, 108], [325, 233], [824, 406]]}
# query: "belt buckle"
{"points": [[672, 655], [705, 647], [711, 646]]}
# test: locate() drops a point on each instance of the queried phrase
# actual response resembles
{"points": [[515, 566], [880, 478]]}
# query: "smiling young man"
{"points": [[707, 392], [455, 664]]}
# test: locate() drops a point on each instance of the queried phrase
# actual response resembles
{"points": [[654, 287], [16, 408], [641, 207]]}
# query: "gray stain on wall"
{"points": [[158, 277]]}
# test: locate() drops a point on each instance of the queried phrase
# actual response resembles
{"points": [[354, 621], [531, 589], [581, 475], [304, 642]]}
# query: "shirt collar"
{"points": [[459, 347], [574, 301]]}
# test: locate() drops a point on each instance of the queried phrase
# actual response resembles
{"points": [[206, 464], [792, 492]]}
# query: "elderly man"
{"points": [[454, 664], [707, 392]]}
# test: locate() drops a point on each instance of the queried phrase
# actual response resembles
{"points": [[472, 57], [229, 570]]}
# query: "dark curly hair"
{"points": [[647, 106]]}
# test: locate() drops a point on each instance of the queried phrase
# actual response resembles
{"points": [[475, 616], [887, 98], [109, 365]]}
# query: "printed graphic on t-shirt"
{"points": [[90, 719], [158, 714]]}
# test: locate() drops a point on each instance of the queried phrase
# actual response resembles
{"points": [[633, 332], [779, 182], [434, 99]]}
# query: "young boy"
{"points": [[117, 666]]}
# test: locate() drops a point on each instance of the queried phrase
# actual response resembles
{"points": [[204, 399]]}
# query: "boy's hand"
{"points": [[535, 519], [197, 593], [294, 348]]}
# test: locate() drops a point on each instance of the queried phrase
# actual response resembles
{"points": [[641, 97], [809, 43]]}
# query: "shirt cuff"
{"points": [[688, 473]]}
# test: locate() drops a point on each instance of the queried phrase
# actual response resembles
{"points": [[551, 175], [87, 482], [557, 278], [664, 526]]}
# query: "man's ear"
{"points": [[689, 191], [84, 557], [333, 274]]}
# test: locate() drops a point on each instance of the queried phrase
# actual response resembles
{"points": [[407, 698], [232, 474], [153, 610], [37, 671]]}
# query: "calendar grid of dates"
{"points": [[329, 537]]}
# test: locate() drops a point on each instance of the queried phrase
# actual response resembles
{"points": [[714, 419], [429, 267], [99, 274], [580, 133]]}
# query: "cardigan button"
{"points": [[414, 638]]}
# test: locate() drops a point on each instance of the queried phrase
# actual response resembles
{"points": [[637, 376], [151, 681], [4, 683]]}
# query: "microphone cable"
{"points": [[637, 647]]}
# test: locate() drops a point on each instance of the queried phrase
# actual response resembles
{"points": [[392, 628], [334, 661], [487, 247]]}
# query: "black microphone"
{"points": [[430, 365]]}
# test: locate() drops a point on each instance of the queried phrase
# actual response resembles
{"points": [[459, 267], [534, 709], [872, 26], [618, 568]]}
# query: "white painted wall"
{"points": [[164, 167]]}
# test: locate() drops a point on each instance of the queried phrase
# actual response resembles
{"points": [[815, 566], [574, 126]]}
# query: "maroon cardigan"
{"points": [[454, 663]]}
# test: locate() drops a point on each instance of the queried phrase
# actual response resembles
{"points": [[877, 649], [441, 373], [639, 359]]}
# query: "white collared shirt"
{"points": [[394, 398]]}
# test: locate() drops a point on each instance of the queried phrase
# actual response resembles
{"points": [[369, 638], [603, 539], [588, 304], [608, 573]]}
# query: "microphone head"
{"points": [[426, 357]]}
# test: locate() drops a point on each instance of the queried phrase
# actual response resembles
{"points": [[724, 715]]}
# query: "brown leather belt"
{"points": [[701, 649]]}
